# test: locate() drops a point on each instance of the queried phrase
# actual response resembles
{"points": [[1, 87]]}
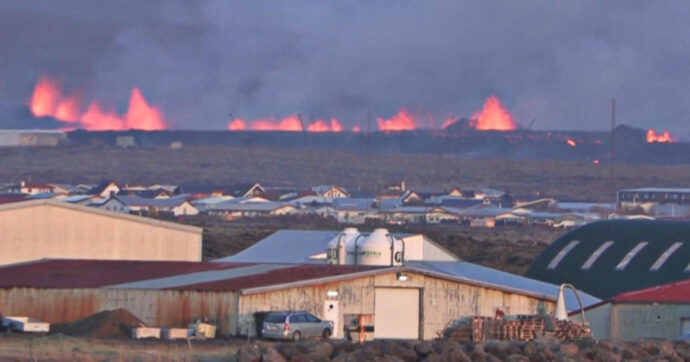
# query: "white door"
{"points": [[331, 313], [396, 313]]}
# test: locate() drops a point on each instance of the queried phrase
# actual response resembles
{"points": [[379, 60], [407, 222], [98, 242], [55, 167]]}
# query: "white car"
{"points": [[295, 326]]}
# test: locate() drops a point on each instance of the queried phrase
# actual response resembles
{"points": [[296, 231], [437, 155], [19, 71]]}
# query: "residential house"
{"points": [[233, 209], [32, 188], [330, 191], [106, 189], [175, 206], [356, 211], [246, 190]]}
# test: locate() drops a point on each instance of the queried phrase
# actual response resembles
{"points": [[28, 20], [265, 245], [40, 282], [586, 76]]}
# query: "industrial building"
{"points": [[363, 274], [18, 137], [660, 312], [41, 229], [404, 302], [606, 258], [648, 197]]}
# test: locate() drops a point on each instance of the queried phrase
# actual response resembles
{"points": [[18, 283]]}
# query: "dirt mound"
{"points": [[116, 323]]}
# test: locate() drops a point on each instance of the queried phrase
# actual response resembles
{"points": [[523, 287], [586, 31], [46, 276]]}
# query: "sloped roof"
{"points": [[493, 277], [297, 246], [233, 205], [207, 276], [606, 258], [102, 186], [676, 292], [285, 246], [245, 278], [93, 210], [141, 201], [61, 273]]}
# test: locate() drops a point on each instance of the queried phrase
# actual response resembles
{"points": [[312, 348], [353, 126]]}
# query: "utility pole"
{"points": [[612, 150]]}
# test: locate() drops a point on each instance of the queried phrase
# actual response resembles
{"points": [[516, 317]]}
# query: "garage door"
{"points": [[396, 313]]}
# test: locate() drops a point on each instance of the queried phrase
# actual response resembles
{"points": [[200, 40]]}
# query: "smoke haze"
{"points": [[558, 62]]}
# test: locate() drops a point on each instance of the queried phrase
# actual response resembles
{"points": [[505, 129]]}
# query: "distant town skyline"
{"points": [[206, 64]]}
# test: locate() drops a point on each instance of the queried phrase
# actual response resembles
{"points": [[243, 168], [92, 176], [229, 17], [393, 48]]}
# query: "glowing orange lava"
{"points": [[401, 121], [48, 100], [448, 122], [571, 142], [665, 137], [493, 117], [288, 124], [237, 124]]}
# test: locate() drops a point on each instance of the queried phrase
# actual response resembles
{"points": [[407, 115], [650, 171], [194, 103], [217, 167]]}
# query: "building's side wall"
{"points": [[48, 231], [442, 301], [156, 308], [599, 319], [445, 301], [648, 320], [433, 252]]}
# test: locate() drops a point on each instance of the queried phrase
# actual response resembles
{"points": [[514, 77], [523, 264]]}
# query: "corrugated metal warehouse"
{"points": [[661, 312], [415, 301], [606, 258], [41, 229]]}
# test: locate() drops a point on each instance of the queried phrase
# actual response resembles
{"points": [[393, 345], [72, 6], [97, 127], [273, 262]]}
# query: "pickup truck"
{"points": [[24, 324]]}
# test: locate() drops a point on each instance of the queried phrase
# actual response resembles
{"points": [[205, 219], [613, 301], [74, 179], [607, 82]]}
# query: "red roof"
{"points": [[97, 273], [101, 273], [289, 274], [676, 292], [36, 185], [6, 199]]}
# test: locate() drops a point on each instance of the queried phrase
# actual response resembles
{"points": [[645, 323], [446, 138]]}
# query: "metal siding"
{"points": [[635, 321], [51, 231], [599, 319], [155, 308]]}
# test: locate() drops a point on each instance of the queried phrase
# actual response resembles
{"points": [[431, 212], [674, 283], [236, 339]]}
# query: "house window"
{"points": [[667, 254], [561, 254], [593, 258], [630, 255]]}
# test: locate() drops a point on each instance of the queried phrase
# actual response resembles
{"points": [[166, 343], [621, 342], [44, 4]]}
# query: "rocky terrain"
{"points": [[431, 351]]}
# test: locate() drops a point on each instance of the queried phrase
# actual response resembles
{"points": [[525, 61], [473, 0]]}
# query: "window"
{"points": [[561, 254], [312, 319], [630, 255], [667, 254], [275, 318], [596, 254], [299, 318]]}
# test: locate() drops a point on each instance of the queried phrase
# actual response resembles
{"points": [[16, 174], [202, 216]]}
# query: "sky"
{"points": [[556, 63]]}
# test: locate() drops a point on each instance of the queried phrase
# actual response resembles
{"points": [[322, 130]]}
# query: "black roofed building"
{"points": [[610, 257]]}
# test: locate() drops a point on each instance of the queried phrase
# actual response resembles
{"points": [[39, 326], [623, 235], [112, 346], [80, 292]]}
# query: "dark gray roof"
{"points": [[140, 201], [609, 257]]}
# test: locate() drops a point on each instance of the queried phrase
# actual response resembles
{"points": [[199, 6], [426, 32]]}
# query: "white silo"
{"points": [[379, 248], [341, 248]]}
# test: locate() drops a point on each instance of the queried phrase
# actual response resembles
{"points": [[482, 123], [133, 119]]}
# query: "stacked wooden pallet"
{"points": [[567, 330]]}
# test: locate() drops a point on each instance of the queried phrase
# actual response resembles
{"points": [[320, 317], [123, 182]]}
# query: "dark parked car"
{"points": [[295, 326]]}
